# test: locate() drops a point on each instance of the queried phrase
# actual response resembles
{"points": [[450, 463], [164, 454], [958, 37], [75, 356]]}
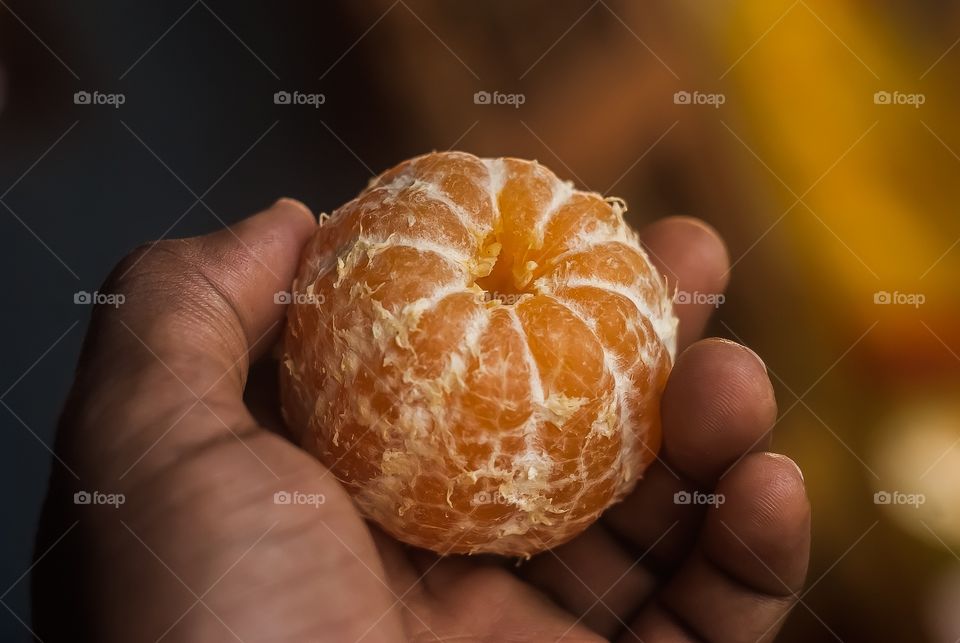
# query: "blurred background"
{"points": [[819, 137]]}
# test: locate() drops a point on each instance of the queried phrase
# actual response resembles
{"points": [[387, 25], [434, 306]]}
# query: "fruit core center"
{"points": [[508, 278]]}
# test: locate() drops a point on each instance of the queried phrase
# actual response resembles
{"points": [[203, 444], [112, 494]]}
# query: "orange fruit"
{"points": [[477, 350]]}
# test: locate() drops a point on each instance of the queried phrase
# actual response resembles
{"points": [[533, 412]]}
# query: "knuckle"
{"points": [[147, 277], [150, 263], [179, 278]]}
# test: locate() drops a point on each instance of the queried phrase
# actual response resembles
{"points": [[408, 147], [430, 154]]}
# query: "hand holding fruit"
{"points": [[200, 550]]}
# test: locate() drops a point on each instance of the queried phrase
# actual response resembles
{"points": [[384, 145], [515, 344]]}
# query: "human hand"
{"points": [[201, 551]]}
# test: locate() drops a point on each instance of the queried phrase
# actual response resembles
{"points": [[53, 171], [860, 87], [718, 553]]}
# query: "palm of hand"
{"points": [[200, 550]]}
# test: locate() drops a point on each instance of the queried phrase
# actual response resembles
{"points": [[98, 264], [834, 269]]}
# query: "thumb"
{"points": [[194, 314]]}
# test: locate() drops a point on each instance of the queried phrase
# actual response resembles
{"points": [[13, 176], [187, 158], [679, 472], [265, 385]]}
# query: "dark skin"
{"points": [[200, 552]]}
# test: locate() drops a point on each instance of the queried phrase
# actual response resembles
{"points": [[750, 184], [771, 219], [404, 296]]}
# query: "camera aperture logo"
{"points": [[899, 498], [99, 498], [299, 498], [299, 98], [699, 498], [714, 100], [896, 298], [499, 98], [899, 98], [98, 298], [84, 97], [285, 297]]}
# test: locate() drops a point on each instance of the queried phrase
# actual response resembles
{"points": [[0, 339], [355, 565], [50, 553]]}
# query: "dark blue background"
{"points": [[199, 99]]}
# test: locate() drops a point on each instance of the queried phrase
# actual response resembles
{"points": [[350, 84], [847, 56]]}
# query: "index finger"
{"points": [[694, 260]]}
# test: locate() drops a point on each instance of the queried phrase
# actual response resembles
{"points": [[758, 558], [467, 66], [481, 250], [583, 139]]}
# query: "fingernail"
{"points": [[294, 203], [759, 359], [742, 347], [783, 458]]}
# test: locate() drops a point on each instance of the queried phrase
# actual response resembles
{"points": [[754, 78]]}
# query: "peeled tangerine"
{"points": [[477, 351]]}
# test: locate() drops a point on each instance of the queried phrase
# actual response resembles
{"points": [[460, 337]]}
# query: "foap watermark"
{"points": [[299, 98], [299, 498], [899, 498], [99, 498], [98, 298], [684, 297], [899, 98], [505, 298], [488, 498], [499, 98], [683, 97], [285, 297], [699, 498], [896, 298], [84, 97]]}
